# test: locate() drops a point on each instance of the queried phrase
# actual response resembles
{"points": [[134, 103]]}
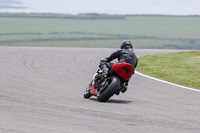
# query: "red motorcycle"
{"points": [[105, 87]]}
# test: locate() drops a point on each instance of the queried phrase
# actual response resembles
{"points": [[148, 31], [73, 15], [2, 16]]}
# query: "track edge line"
{"points": [[177, 85]]}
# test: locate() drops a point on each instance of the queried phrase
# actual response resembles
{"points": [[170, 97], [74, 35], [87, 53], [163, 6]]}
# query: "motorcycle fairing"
{"points": [[93, 91], [124, 70]]}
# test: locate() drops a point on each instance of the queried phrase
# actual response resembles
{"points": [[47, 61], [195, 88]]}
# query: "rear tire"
{"points": [[110, 90]]}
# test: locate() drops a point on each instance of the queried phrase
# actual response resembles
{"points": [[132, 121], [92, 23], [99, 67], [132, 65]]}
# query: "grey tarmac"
{"points": [[41, 91]]}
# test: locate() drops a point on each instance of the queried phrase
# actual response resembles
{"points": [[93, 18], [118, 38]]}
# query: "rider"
{"points": [[125, 54]]}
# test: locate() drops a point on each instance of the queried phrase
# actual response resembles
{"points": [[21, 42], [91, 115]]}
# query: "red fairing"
{"points": [[124, 70], [93, 91]]}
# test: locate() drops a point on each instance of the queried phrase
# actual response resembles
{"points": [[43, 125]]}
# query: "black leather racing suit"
{"points": [[123, 55]]}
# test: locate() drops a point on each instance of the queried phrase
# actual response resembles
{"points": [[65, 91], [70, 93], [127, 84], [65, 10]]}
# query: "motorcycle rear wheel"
{"points": [[114, 84]]}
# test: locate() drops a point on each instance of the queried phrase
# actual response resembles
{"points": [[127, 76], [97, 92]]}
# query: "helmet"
{"points": [[126, 44]]}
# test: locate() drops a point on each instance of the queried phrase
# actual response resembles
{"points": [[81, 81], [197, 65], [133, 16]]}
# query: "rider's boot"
{"points": [[124, 87], [117, 92]]}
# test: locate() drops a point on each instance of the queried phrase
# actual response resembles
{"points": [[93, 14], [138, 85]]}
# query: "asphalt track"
{"points": [[41, 91]]}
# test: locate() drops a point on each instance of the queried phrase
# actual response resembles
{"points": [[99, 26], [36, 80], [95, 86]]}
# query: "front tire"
{"points": [[87, 95], [114, 84]]}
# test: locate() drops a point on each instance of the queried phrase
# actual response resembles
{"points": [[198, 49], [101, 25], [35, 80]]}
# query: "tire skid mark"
{"points": [[17, 60], [76, 57], [55, 67], [65, 64], [33, 62], [26, 64]]}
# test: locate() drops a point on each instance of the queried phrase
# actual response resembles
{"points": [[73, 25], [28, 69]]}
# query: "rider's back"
{"points": [[124, 55], [128, 56]]}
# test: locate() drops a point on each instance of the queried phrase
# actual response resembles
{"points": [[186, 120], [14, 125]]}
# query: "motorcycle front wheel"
{"points": [[87, 94], [114, 84]]}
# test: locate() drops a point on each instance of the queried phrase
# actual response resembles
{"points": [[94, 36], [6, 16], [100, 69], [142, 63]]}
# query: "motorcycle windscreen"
{"points": [[124, 70]]}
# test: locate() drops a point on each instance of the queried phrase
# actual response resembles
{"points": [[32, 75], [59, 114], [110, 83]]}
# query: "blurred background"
{"points": [[155, 24]]}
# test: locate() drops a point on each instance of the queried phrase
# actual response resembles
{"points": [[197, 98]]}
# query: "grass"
{"points": [[180, 68], [103, 30]]}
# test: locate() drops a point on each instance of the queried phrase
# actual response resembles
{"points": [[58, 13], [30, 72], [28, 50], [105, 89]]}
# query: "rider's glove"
{"points": [[103, 60]]}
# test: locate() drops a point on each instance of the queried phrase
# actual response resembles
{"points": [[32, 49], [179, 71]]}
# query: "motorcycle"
{"points": [[105, 86]]}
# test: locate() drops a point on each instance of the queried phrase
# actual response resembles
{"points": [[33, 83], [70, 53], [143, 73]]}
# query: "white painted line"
{"points": [[185, 87]]}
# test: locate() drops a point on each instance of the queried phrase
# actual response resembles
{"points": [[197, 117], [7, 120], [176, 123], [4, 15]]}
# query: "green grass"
{"points": [[104, 30], [180, 68]]}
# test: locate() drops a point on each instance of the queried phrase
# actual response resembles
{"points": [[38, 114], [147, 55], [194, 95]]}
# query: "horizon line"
{"points": [[93, 13]]}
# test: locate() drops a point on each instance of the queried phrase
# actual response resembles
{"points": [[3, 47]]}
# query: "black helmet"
{"points": [[126, 45]]}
